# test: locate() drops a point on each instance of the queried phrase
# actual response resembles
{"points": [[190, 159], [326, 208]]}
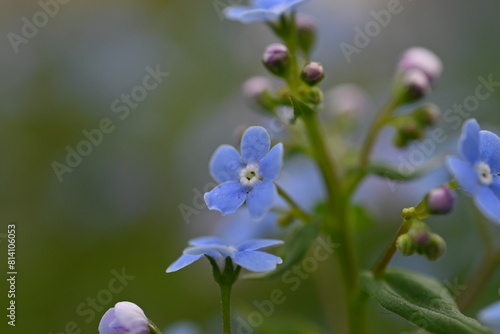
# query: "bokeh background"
{"points": [[119, 208]]}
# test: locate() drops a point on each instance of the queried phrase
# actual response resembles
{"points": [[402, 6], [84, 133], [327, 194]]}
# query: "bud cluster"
{"points": [[410, 127], [417, 72]]}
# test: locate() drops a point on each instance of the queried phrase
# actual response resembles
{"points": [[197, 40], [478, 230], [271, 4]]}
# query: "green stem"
{"points": [[153, 329], [486, 269], [379, 122], [225, 292], [301, 214], [386, 257]]}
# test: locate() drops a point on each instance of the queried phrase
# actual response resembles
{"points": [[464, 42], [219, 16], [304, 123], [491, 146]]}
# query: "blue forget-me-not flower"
{"points": [[247, 177], [261, 10], [477, 171], [247, 254]]}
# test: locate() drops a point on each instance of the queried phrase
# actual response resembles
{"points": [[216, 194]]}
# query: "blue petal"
{"points": [[469, 141], [208, 240], [261, 199], [270, 165], [489, 150], [246, 15], [465, 175], [225, 164], [226, 197], [214, 251], [255, 244], [183, 261], [488, 203], [495, 186], [255, 144], [257, 261], [490, 316]]}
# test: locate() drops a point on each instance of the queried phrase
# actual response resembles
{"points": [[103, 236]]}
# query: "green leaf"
{"points": [[300, 108], [421, 300], [296, 247]]}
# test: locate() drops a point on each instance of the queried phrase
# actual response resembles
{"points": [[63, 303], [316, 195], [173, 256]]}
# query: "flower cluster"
{"points": [[270, 195]]}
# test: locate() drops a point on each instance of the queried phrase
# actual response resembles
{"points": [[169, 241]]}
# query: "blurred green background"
{"points": [[119, 208]]}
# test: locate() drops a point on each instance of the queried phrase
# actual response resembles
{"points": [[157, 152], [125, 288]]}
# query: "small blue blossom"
{"points": [[247, 177], [261, 10], [125, 317], [490, 316], [477, 171], [246, 254]]}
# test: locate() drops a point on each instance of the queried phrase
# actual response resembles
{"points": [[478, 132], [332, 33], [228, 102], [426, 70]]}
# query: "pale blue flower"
{"points": [[490, 317], [477, 171], [247, 177], [261, 10], [246, 254], [124, 318]]}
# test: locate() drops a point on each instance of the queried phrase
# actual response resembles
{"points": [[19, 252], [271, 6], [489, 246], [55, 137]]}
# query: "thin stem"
{"points": [[377, 125], [225, 292], [482, 227], [301, 214], [386, 257], [486, 269]]}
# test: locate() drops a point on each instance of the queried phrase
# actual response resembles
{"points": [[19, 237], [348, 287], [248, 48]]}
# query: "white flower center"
{"points": [[250, 175], [484, 173]]}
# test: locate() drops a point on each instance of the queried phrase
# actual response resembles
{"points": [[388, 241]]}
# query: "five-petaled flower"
{"points": [[124, 318], [261, 10], [247, 177], [246, 254], [478, 172]]}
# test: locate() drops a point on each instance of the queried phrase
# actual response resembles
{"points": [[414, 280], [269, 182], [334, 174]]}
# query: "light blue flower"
{"points": [[477, 172], [301, 179], [247, 177], [261, 10], [246, 254], [124, 318], [490, 316]]}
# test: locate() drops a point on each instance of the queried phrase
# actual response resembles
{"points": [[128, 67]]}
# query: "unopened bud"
{"points": [[414, 84], [405, 245], [423, 60], [276, 59], [406, 132], [256, 90], [420, 236], [347, 99], [440, 200], [306, 32], [312, 73], [428, 114], [436, 247]]}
